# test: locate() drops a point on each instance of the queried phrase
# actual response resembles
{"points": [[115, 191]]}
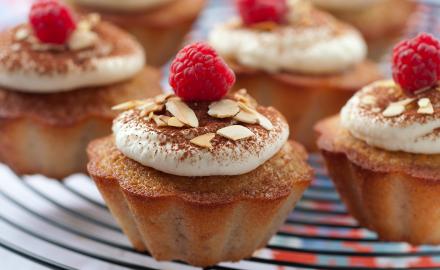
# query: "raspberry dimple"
{"points": [[416, 63], [199, 74], [51, 21], [256, 11]]}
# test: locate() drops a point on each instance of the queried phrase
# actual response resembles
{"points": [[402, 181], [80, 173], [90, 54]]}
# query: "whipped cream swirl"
{"points": [[318, 49], [171, 151], [409, 132], [123, 5]]}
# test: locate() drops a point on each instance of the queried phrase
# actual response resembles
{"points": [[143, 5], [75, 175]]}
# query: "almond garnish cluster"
{"points": [[243, 110], [82, 38], [399, 107]]}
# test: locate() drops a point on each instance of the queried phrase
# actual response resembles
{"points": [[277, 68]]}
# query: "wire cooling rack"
{"points": [[66, 225]]}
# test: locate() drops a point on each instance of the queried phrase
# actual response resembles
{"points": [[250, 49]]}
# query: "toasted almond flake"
{"points": [[246, 117], [223, 109], [368, 100], [385, 83], [405, 101], [84, 25], [264, 122], [22, 34], [82, 39], [425, 106], [163, 97], [424, 102], [159, 122], [203, 140], [393, 109], [243, 96], [235, 132], [182, 112], [174, 122], [150, 106], [127, 105], [150, 116]]}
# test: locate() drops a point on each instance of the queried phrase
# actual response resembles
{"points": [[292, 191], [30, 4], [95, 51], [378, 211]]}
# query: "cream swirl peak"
{"points": [[383, 117], [124, 5], [312, 44], [102, 56], [232, 136]]}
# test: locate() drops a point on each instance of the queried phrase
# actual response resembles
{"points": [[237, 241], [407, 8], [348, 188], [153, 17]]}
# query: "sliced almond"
{"points": [[223, 109], [424, 102], [264, 122], [162, 97], [386, 83], [244, 97], [405, 101], [393, 110], [159, 122], [94, 18], [127, 105], [246, 117], [368, 100], [150, 106], [22, 34], [82, 39], [235, 132], [203, 140], [174, 122], [182, 112]]}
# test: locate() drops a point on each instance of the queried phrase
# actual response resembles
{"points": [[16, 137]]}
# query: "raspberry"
{"points": [[51, 21], [416, 63], [256, 11], [199, 74]]}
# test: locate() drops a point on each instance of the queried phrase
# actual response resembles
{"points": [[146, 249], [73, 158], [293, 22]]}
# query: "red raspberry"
{"points": [[51, 21], [416, 63], [256, 11], [199, 74]]}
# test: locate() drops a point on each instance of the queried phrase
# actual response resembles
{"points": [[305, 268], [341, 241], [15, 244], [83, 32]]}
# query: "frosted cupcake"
{"points": [[383, 150], [199, 176], [59, 78], [300, 60], [159, 25], [381, 22]]}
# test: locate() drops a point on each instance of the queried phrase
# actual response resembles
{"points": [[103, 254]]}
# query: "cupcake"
{"points": [[159, 25], [59, 78], [199, 176], [383, 150], [381, 22], [300, 60]]}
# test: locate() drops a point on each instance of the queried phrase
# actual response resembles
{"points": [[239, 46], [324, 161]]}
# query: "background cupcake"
{"points": [[58, 80], [159, 25], [383, 150], [296, 58], [381, 22]]}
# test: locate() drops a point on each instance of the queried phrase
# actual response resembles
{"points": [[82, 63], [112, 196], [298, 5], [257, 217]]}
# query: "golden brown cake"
{"points": [[307, 68], [382, 156], [160, 26], [203, 180], [54, 99], [381, 22]]}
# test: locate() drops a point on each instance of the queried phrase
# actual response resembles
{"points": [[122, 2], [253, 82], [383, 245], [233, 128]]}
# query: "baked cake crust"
{"points": [[200, 220], [392, 193], [48, 133], [305, 99]]}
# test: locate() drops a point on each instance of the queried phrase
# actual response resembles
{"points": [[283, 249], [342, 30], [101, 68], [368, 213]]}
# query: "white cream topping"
{"points": [[344, 5], [393, 134], [123, 5], [312, 50], [102, 71], [151, 148]]}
